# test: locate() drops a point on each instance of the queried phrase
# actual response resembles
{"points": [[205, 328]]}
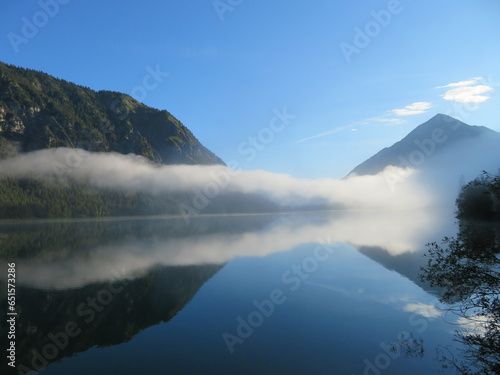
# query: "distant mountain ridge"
{"points": [[39, 111], [426, 141]]}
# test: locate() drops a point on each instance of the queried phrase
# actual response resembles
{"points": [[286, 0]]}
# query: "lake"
{"points": [[299, 293]]}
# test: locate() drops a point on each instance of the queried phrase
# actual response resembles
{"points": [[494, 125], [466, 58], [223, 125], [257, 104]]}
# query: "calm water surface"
{"points": [[318, 293]]}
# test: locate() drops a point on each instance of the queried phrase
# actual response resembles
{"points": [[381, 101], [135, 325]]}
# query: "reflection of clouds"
{"points": [[475, 324], [396, 231], [334, 288], [427, 311]]}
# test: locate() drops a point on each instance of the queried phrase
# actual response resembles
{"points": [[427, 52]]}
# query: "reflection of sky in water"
{"points": [[336, 321], [343, 302], [396, 232]]}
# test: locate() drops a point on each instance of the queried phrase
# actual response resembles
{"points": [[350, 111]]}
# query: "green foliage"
{"points": [[467, 268], [38, 111], [30, 198], [7, 149], [480, 198], [34, 198]]}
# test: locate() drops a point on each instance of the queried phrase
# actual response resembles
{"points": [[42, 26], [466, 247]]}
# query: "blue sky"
{"points": [[353, 77]]}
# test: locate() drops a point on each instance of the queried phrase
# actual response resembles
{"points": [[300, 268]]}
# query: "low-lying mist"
{"points": [[394, 188], [435, 184]]}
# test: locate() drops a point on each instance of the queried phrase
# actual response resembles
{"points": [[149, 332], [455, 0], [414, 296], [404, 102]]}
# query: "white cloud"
{"points": [[412, 109], [461, 83], [427, 311], [468, 91], [468, 94]]}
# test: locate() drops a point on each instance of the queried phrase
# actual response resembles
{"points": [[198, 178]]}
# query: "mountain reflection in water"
{"points": [[116, 278]]}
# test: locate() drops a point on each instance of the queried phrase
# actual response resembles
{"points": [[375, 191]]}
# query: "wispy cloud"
{"points": [[391, 121], [468, 91], [461, 83], [336, 130], [387, 119], [412, 109], [353, 126]]}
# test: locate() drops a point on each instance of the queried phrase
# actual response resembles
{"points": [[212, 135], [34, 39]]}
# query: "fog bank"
{"points": [[135, 173]]}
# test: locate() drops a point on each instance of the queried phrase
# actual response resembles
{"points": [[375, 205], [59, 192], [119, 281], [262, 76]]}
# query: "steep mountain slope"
{"points": [[39, 111], [433, 138]]}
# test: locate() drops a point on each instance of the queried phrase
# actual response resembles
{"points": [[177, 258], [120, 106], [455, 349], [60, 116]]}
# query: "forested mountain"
{"points": [[38, 111]]}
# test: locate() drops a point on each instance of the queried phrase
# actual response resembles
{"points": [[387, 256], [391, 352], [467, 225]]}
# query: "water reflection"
{"points": [[70, 255], [53, 324], [116, 278], [467, 268]]}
